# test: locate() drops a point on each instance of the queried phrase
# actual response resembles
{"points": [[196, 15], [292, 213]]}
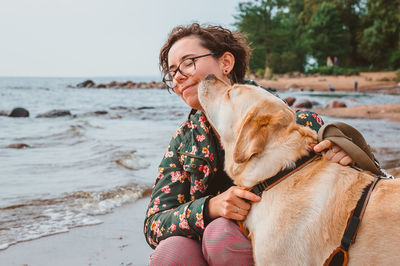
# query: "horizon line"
{"points": [[86, 76]]}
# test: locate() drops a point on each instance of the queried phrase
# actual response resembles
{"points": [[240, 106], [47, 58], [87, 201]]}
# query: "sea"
{"points": [[79, 167]]}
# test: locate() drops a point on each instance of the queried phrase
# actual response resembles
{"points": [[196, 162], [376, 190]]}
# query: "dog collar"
{"points": [[276, 179]]}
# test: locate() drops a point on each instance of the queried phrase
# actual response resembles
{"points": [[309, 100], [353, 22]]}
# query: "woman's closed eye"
{"points": [[187, 63]]}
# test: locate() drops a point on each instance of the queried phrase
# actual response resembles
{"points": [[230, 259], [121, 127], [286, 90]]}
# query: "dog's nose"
{"points": [[210, 76]]}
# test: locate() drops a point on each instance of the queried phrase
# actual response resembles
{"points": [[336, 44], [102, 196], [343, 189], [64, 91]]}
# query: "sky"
{"points": [[81, 38]]}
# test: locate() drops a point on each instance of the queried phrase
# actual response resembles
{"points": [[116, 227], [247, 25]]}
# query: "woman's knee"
{"points": [[224, 243], [221, 229], [177, 250]]}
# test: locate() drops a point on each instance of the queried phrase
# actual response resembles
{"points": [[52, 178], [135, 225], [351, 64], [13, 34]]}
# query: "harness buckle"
{"points": [[386, 175]]}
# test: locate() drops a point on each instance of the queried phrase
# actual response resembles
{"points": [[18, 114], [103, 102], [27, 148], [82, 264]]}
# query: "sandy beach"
{"points": [[119, 240], [389, 111], [366, 82]]}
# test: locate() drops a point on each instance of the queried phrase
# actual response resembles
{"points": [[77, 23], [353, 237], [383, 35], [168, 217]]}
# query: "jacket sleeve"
{"points": [[172, 211], [309, 119]]}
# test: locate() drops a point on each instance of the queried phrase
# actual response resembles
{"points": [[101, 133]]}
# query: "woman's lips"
{"points": [[187, 87]]}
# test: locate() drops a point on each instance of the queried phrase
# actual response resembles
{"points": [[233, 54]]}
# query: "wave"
{"points": [[43, 217], [132, 162], [73, 131]]}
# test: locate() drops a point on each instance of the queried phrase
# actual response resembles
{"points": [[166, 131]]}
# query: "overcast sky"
{"points": [[75, 38]]}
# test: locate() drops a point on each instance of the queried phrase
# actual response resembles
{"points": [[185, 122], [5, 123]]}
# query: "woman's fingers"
{"points": [[338, 156], [323, 145], [346, 160], [245, 194], [238, 213], [334, 153], [232, 204]]}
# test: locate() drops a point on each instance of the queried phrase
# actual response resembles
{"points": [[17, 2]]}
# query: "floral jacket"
{"points": [[191, 162]]}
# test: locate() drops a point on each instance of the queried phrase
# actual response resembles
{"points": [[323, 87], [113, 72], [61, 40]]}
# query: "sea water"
{"points": [[84, 165], [79, 166]]}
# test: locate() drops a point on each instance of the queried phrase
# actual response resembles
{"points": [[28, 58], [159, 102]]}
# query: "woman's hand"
{"points": [[334, 154], [231, 204]]}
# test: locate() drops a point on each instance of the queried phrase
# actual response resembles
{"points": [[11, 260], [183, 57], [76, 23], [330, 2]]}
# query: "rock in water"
{"points": [[18, 146], [86, 84], [19, 112], [55, 113]]}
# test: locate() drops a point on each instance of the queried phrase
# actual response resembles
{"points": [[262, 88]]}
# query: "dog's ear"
{"points": [[252, 137]]}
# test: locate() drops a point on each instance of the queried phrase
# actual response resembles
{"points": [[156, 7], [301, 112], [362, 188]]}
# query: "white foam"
{"points": [[60, 215]]}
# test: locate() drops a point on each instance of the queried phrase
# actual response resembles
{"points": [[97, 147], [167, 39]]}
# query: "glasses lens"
{"points": [[168, 79], [187, 67]]}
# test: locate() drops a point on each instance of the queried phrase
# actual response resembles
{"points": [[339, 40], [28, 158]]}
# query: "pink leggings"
{"points": [[223, 244]]}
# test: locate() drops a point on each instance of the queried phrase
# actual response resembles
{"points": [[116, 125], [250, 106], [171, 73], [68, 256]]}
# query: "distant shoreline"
{"points": [[369, 82], [372, 82], [380, 82], [124, 85]]}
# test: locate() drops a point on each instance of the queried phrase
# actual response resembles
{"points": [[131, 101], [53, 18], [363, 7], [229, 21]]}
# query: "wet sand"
{"points": [[119, 240], [387, 111], [383, 82]]}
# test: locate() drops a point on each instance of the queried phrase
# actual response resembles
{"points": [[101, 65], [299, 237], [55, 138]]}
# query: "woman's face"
{"points": [[186, 87]]}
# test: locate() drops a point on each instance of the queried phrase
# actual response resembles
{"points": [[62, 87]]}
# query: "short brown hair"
{"points": [[218, 40]]}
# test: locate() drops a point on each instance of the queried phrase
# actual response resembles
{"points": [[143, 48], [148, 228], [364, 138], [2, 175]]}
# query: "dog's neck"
{"points": [[279, 153]]}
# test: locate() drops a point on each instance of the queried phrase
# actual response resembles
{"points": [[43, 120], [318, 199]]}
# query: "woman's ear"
{"points": [[227, 61]]}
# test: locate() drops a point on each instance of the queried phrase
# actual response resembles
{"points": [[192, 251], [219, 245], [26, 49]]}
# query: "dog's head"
{"points": [[249, 120]]}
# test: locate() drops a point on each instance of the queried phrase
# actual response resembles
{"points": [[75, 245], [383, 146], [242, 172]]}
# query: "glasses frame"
{"points": [[178, 69]]}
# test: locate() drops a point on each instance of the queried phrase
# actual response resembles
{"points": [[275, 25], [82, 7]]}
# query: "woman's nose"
{"points": [[179, 77]]}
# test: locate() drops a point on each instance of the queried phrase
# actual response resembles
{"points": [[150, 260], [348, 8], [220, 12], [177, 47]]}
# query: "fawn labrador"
{"points": [[301, 220]]}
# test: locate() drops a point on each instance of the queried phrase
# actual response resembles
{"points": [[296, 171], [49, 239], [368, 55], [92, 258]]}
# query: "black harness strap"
{"points": [[276, 179], [339, 256]]}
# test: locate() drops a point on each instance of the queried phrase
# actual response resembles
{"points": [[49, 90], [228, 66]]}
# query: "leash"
{"points": [[340, 256], [276, 179]]}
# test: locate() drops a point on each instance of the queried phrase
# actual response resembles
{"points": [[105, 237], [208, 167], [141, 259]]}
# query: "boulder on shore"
{"points": [[336, 104], [19, 112], [290, 100], [303, 103]]}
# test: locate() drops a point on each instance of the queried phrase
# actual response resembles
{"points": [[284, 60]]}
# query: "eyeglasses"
{"points": [[186, 67]]}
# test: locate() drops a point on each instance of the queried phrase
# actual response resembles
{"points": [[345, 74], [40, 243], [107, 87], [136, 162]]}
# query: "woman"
{"points": [[194, 203]]}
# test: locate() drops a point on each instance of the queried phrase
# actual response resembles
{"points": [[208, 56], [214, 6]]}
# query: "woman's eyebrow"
{"points": [[183, 58]]}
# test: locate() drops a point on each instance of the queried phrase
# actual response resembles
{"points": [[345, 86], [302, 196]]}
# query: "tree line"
{"points": [[287, 35]]}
